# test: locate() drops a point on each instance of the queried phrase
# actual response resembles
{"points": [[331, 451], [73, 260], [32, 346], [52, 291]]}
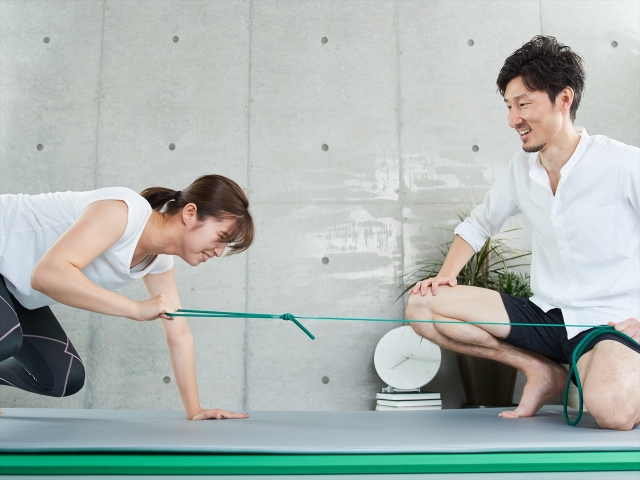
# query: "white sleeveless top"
{"points": [[31, 224]]}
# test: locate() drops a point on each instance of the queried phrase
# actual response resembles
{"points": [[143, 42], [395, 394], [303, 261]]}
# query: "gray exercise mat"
{"points": [[436, 431]]}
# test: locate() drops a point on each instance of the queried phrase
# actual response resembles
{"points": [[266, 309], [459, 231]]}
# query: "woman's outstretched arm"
{"points": [[181, 350]]}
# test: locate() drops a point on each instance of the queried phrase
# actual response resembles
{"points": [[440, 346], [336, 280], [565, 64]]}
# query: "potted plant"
{"points": [[486, 383]]}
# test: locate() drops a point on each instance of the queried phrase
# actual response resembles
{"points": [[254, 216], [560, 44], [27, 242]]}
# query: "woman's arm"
{"points": [[181, 350], [59, 275]]}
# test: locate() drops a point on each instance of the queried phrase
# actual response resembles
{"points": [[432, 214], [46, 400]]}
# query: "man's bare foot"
{"points": [[544, 383]]}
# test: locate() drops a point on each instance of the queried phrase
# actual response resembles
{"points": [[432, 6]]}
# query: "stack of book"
{"points": [[408, 401]]}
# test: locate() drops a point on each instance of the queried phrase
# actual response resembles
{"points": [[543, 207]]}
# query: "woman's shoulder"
{"points": [[135, 203]]}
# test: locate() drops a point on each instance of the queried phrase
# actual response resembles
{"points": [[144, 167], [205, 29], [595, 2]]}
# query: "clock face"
{"points": [[405, 360]]}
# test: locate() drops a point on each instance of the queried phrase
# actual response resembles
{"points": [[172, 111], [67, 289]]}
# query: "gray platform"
{"points": [[443, 431]]}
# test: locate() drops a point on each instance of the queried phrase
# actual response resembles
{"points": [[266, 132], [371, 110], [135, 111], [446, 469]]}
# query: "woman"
{"points": [[76, 248]]}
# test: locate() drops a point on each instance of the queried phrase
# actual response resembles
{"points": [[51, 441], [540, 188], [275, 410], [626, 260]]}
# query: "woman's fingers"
{"points": [[154, 308], [217, 414], [224, 414]]}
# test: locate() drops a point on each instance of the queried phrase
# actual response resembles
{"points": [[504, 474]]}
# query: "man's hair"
{"points": [[547, 66]]}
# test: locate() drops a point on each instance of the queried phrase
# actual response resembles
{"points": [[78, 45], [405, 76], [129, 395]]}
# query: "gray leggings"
{"points": [[35, 353]]}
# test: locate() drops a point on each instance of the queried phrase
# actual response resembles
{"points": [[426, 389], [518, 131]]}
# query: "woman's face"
{"points": [[205, 239]]}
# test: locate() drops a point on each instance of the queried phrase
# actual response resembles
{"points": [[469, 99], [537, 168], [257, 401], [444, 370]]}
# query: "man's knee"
{"points": [[614, 407], [613, 420], [418, 308]]}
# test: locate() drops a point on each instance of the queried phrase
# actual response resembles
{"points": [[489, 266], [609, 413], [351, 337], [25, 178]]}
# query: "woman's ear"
{"points": [[190, 214]]}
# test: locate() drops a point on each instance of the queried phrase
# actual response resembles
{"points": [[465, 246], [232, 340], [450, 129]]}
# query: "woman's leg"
{"points": [[10, 331], [46, 362]]}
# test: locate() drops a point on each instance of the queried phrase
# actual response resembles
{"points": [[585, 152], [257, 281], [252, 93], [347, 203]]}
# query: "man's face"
{"points": [[536, 120]]}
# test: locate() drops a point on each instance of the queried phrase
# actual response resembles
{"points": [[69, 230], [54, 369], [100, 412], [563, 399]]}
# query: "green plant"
{"points": [[513, 283], [490, 267]]}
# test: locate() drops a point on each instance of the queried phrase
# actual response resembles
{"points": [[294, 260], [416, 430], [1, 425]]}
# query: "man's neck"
{"points": [[557, 153]]}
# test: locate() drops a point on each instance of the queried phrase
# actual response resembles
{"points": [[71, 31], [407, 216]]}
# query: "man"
{"points": [[582, 195]]}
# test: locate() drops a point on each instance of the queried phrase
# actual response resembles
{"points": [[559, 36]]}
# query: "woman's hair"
{"points": [[547, 66], [214, 196]]}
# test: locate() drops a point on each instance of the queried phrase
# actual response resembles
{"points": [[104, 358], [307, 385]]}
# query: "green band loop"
{"points": [[573, 369]]}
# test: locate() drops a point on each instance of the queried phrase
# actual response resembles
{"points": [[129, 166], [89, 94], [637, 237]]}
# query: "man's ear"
{"points": [[564, 100]]}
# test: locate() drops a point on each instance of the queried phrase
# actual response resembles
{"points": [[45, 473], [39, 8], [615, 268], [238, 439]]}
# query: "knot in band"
{"points": [[177, 194], [287, 316]]}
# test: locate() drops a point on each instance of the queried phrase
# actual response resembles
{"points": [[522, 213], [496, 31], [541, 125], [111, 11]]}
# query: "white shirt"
{"points": [[586, 238], [31, 224]]}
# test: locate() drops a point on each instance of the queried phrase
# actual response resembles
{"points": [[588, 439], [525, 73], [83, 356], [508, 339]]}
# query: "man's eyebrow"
{"points": [[522, 95]]}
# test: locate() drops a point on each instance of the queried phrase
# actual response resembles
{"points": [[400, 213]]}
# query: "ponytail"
{"points": [[214, 196], [158, 197]]}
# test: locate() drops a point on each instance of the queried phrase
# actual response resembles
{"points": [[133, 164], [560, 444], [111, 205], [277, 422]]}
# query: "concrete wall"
{"points": [[247, 89]]}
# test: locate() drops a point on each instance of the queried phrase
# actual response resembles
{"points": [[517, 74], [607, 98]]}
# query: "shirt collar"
{"points": [[537, 172], [578, 152]]}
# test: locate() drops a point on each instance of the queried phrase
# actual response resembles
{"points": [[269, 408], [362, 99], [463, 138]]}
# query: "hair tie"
{"points": [[177, 194]]}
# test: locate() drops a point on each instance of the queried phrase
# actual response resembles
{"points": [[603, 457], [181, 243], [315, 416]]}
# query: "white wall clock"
{"points": [[405, 360]]}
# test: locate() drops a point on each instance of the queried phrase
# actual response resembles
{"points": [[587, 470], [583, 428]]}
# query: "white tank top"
{"points": [[31, 224]]}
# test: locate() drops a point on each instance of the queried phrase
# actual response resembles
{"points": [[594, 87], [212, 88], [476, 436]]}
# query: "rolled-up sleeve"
{"points": [[498, 205]]}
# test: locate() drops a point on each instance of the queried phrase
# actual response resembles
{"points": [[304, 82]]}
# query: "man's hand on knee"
{"points": [[423, 286], [630, 327]]}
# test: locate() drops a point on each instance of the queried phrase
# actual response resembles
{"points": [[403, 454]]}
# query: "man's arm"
{"points": [[459, 254], [483, 222]]}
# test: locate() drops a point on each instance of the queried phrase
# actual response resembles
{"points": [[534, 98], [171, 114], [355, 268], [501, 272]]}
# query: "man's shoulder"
{"points": [[617, 149]]}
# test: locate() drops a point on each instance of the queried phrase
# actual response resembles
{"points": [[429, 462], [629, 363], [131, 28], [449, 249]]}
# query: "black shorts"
{"points": [[552, 342]]}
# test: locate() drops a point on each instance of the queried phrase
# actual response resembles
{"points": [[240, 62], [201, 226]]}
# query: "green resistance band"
{"points": [[573, 370]]}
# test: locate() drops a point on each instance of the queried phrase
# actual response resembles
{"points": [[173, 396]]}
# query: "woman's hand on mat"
{"points": [[153, 309], [630, 327], [215, 414], [423, 286]]}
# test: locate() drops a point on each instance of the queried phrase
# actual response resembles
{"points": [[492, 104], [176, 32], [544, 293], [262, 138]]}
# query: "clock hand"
{"points": [[401, 361], [421, 358]]}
